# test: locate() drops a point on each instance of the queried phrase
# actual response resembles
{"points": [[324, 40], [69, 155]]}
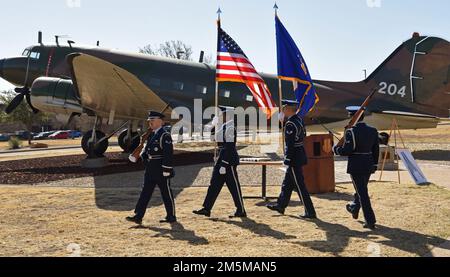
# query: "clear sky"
{"points": [[338, 38]]}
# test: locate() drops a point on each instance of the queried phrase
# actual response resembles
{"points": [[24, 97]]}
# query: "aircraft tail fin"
{"points": [[418, 72]]}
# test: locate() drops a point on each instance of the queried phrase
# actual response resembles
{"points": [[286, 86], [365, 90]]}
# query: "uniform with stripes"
{"points": [[295, 159], [157, 157], [228, 160], [362, 148]]}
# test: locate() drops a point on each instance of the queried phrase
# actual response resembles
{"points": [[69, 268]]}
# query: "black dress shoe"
{"points": [[353, 211], [276, 208], [308, 216], [170, 219], [204, 212], [369, 226], [238, 215], [134, 219]]}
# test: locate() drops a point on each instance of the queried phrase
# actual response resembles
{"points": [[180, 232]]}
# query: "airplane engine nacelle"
{"points": [[55, 95]]}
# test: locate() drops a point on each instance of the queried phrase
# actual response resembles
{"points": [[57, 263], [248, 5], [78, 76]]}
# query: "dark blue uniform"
{"points": [[228, 159], [362, 148], [295, 159], [157, 157]]}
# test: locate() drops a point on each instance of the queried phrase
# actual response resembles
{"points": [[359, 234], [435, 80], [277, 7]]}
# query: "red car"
{"points": [[60, 135]]}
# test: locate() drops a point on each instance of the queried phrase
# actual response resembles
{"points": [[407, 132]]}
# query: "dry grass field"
{"points": [[441, 135], [47, 221]]}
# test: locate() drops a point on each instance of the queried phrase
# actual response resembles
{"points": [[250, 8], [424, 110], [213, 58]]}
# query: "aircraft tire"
{"points": [[100, 149], [123, 143]]}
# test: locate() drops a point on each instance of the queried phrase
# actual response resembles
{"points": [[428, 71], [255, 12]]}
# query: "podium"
{"points": [[319, 172]]}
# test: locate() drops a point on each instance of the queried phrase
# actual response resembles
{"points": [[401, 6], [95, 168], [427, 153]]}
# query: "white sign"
{"points": [[411, 164]]}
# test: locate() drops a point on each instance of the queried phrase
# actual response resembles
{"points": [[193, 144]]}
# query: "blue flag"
{"points": [[292, 67]]}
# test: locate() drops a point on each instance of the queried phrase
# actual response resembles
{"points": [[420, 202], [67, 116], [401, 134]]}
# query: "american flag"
{"points": [[234, 66]]}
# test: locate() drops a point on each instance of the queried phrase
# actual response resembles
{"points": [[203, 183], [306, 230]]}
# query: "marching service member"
{"points": [[157, 156]]}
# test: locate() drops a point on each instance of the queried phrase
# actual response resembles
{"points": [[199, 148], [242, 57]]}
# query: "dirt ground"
{"points": [[52, 221]]}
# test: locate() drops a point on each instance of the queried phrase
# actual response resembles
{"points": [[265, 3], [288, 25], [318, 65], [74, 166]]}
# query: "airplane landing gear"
{"points": [[129, 142], [95, 142], [94, 145]]}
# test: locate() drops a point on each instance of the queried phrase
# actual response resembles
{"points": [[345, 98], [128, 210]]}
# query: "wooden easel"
{"points": [[396, 130]]}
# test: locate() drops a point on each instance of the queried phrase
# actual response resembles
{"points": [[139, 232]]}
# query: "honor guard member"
{"points": [[225, 167], [295, 159], [157, 157], [362, 148]]}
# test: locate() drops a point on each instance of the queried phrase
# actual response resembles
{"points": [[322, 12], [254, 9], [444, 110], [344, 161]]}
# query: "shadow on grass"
{"points": [[273, 201], [259, 229], [432, 155], [117, 197], [338, 238], [176, 232], [336, 196]]}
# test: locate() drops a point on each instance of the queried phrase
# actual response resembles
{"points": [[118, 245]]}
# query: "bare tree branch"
{"points": [[175, 49]]}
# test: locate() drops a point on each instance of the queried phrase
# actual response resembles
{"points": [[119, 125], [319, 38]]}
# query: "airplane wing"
{"points": [[405, 120], [112, 92], [383, 121]]}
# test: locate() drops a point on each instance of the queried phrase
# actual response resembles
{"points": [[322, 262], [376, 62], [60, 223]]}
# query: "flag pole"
{"points": [[219, 12], [216, 103], [280, 95], [280, 92]]}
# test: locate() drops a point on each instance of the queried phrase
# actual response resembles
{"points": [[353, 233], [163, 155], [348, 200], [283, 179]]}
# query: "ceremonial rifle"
{"points": [[355, 118], [136, 155]]}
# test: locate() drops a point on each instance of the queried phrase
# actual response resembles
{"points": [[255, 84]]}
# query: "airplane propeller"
{"points": [[23, 93]]}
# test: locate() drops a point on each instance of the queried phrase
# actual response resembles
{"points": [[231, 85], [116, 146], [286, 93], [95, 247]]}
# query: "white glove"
{"points": [[223, 171], [215, 121], [166, 174], [132, 159], [281, 116]]}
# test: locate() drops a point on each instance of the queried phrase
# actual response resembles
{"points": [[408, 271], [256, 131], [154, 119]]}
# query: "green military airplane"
{"points": [[73, 80]]}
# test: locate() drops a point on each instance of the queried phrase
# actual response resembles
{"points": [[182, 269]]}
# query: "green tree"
{"points": [[22, 114]]}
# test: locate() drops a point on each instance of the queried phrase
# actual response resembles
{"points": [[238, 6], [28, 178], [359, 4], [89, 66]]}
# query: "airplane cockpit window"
{"points": [[26, 52], [35, 55]]}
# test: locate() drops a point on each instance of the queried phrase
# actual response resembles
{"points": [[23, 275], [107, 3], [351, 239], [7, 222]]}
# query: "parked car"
{"points": [[43, 135], [4, 137], [75, 134], [60, 135], [23, 135]]}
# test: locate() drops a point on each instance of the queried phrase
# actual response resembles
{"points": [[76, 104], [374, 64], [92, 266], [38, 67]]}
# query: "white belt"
{"points": [[155, 157]]}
